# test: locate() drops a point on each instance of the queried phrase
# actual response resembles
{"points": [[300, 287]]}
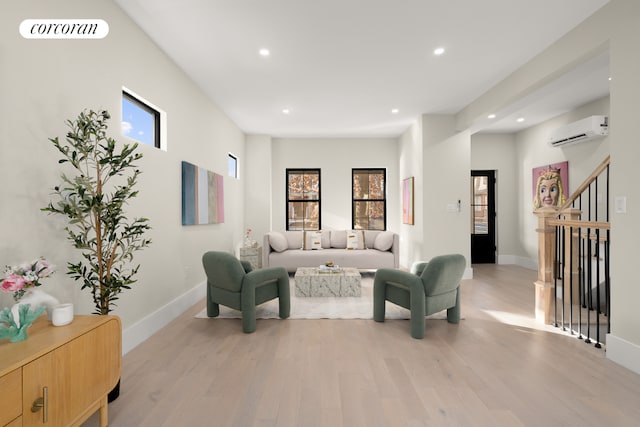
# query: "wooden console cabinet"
{"points": [[60, 375]]}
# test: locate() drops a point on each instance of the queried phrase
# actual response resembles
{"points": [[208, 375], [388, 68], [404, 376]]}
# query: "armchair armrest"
{"points": [[387, 275], [418, 267], [266, 250], [257, 278], [402, 279]]}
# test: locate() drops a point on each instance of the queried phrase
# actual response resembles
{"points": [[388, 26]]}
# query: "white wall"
{"points": [[446, 161], [498, 152], [410, 160], [623, 345], [335, 157], [256, 171], [45, 82], [439, 158]]}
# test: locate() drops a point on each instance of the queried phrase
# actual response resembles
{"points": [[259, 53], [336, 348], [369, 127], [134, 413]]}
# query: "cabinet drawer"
{"points": [[16, 423], [11, 397]]}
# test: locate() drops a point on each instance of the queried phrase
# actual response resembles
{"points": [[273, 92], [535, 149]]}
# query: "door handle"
{"points": [[42, 402]]}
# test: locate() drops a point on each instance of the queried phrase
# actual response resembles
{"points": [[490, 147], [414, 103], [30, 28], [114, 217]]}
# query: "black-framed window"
{"points": [[303, 199], [233, 166], [140, 121], [369, 197]]}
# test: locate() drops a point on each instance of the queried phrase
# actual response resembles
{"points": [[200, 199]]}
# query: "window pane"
{"points": [[311, 186], [368, 215], [233, 166], [303, 215], [360, 184], [304, 186], [481, 220], [368, 185], [376, 186], [139, 121], [480, 211]]}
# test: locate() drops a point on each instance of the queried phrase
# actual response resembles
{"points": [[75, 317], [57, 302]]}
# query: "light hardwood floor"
{"points": [[496, 368]]}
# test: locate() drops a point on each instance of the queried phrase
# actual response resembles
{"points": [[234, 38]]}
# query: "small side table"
{"points": [[253, 255]]}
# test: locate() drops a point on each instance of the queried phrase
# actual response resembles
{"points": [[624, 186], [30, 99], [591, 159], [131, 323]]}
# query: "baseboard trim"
{"points": [[468, 273], [149, 325], [623, 352]]}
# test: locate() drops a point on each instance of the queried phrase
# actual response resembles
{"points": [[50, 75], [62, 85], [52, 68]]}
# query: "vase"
{"points": [[15, 328], [35, 297]]}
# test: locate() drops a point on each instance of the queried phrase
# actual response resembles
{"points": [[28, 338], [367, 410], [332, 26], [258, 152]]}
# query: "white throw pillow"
{"points": [[338, 239], [312, 240], [355, 239], [277, 241], [384, 241]]}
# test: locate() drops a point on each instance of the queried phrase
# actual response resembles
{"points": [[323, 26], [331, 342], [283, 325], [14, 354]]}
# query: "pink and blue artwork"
{"points": [[202, 196]]}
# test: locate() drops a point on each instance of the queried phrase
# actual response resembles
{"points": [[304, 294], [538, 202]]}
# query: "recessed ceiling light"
{"points": [[491, 116], [286, 111], [438, 51], [520, 119], [264, 52], [395, 111]]}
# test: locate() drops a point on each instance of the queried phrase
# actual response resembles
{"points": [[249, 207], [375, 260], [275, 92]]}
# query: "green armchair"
{"points": [[234, 284], [429, 288]]}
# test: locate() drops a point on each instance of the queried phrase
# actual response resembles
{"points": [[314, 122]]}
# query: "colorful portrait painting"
{"points": [[550, 185]]}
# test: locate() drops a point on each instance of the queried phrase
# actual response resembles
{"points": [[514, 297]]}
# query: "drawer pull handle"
{"points": [[41, 402]]}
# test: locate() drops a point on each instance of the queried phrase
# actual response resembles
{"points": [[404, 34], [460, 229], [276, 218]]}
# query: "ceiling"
{"points": [[341, 66]]}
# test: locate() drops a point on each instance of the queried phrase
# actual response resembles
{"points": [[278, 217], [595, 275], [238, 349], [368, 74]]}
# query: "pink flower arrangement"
{"points": [[248, 233], [19, 278]]}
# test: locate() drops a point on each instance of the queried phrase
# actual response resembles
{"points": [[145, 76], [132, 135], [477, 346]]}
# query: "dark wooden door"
{"points": [[483, 217]]}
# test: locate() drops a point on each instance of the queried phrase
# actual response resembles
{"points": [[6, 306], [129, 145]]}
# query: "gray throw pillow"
{"points": [[277, 241], [384, 241]]}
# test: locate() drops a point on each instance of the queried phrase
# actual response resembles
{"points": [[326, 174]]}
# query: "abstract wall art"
{"points": [[202, 196], [407, 201]]}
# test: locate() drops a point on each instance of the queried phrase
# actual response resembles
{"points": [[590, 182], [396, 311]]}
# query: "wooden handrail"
{"points": [[580, 224], [586, 183]]}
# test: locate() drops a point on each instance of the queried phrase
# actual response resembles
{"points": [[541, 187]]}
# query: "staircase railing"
{"points": [[573, 286]]}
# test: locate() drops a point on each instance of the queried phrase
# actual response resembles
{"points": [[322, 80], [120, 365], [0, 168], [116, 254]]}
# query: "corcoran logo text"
{"points": [[64, 28]]}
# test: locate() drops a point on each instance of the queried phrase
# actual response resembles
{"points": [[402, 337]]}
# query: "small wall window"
{"points": [[140, 121], [303, 199], [369, 198], [233, 166]]}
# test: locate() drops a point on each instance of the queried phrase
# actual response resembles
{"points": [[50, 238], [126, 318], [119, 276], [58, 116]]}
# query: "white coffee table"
{"points": [[313, 282]]}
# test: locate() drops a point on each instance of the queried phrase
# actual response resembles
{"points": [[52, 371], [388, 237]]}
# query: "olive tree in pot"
{"points": [[93, 199]]}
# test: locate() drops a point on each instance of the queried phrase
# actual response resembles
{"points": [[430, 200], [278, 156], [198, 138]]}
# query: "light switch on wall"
{"points": [[621, 204]]}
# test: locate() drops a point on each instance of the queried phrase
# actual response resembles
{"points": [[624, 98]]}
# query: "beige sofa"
{"points": [[361, 249]]}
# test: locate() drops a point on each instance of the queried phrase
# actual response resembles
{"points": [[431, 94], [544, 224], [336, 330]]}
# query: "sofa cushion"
{"points": [[277, 241], [312, 240], [370, 238], [338, 239], [384, 241], [355, 239], [326, 239], [294, 239]]}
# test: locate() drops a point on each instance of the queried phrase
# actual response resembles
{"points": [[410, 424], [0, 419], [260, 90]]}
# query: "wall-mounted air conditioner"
{"points": [[582, 130]]}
